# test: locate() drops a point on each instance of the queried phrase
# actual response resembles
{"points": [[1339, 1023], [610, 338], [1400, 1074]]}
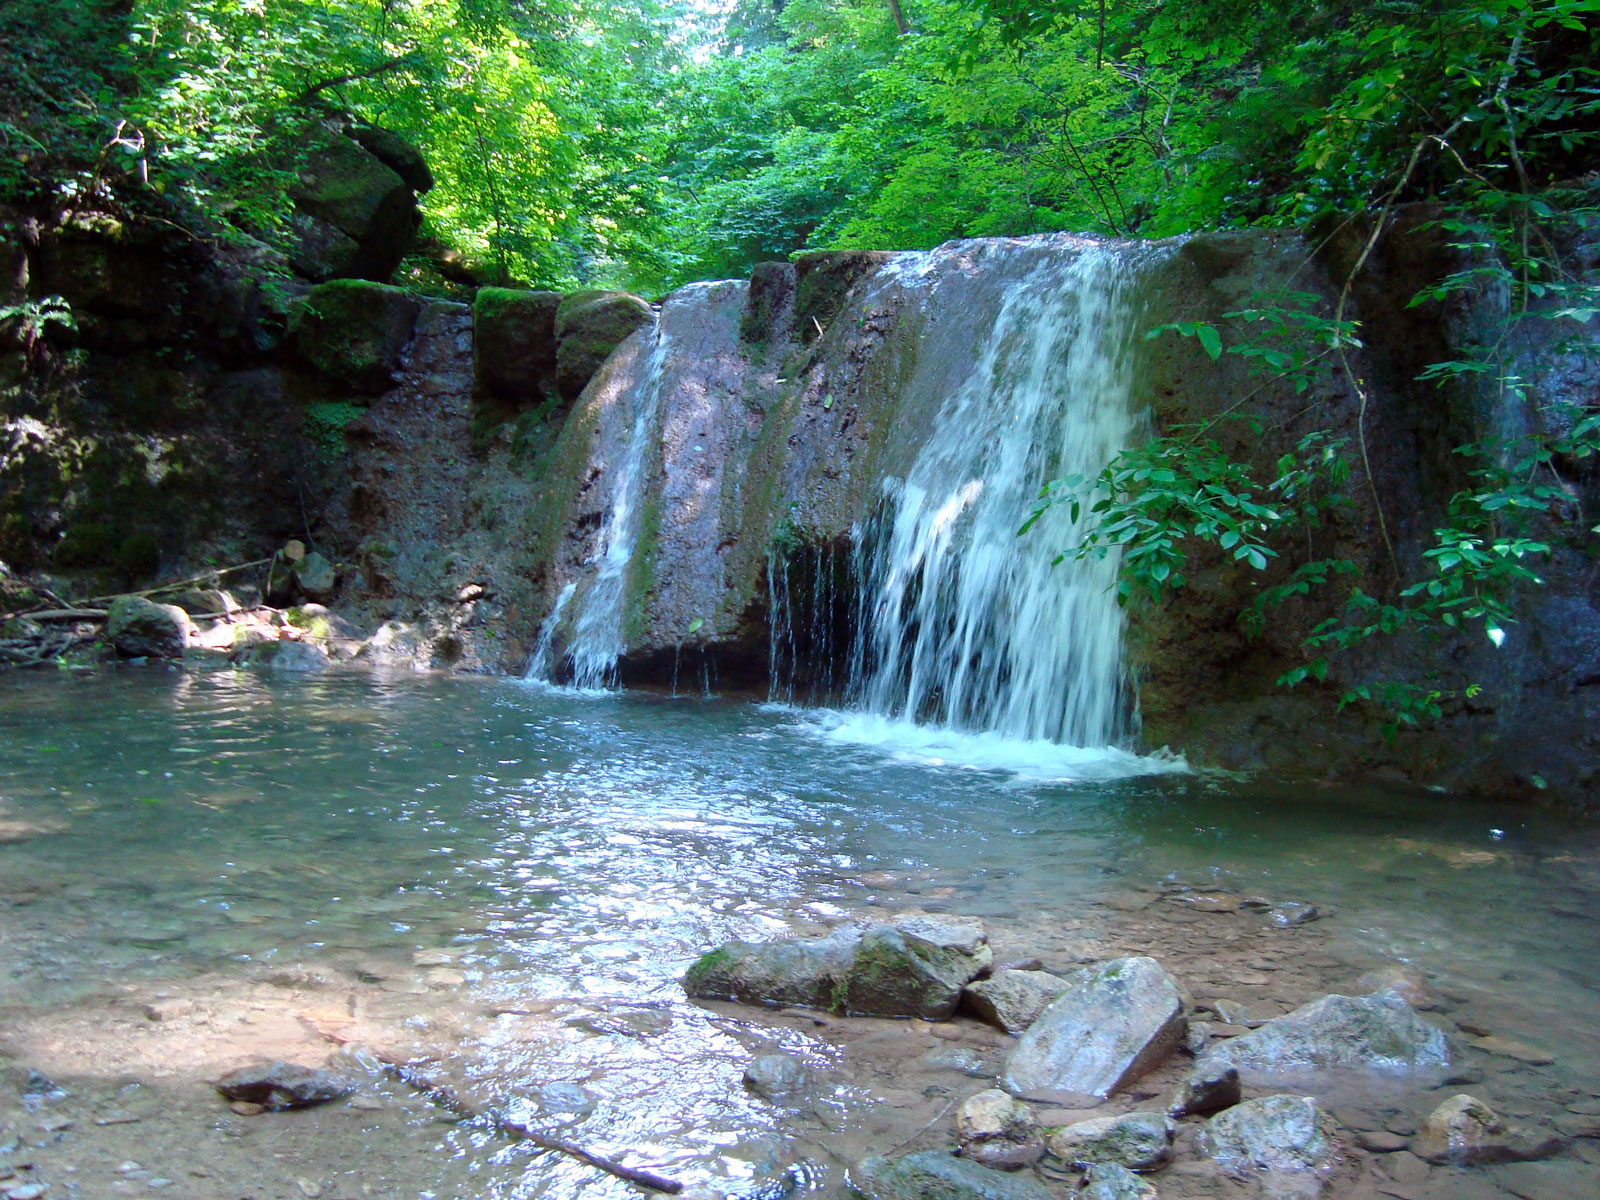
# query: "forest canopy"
{"points": [[649, 142]]}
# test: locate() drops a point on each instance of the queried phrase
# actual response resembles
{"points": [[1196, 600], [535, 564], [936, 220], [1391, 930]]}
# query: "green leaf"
{"points": [[1210, 340]]}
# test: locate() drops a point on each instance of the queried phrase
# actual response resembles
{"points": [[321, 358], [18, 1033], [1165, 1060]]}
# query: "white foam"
{"points": [[1035, 760]]}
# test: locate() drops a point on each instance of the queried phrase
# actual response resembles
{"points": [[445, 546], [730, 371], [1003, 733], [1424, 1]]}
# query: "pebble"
{"points": [[246, 1109], [28, 1191], [309, 1187], [116, 1116], [1380, 1141], [1511, 1048], [1405, 1167]]}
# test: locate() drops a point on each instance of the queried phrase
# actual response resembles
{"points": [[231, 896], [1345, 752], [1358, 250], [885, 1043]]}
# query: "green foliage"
{"points": [[323, 424]]}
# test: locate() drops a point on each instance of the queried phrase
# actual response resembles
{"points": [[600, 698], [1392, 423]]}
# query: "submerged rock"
{"points": [[1012, 1000], [1464, 1131], [1139, 1141], [285, 657], [1379, 1032], [1409, 982], [776, 1077], [1115, 1022], [997, 1130], [937, 1175], [1108, 1181], [915, 967], [1274, 1133], [280, 1085], [140, 628]]}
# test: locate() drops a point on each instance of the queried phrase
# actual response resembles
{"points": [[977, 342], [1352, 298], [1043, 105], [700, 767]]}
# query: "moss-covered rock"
{"points": [[85, 547], [771, 285], [589, 326], [140, 628], [823, 279], [343, 189], [352, 332], [139, 556], [514, 343], [394, 152]]}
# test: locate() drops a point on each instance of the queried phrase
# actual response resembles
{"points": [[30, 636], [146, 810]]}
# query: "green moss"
{"points": [[352, 331], [85, 546], [323, 423], [706, 967], [642, 577], [316, 624], [138, 557]]}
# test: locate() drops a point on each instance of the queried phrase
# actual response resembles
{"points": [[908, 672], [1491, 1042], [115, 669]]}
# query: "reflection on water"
{"points": [[520, 875]]}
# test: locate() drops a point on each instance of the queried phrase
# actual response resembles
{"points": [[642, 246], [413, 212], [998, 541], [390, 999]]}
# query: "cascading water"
{"points": [[597, 637], [966, 626]]}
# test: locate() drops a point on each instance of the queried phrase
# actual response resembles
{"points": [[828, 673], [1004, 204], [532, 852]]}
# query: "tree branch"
{"points": [[383, 68]]}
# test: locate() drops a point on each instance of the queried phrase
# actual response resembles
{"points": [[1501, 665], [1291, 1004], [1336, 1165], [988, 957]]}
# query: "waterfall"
{"points": [[964, 625], [540, 664], [597, 636]]}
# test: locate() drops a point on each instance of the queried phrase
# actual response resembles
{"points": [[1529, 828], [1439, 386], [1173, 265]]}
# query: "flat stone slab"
{"points": [[1116, 1021], [280, 1085], [1013, 1000]]}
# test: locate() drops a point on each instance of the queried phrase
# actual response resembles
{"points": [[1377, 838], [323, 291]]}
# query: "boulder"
{"points": [[589, 326], [284, 657], [808, 972], [1379, 1032], [776, 1077], [1210, 1087], [996, 1130], [1274, 1133], [1012, 1000], [936, 1175], [1108, 1181], [514, 341], [352, 332], [314, 577], [915, 967], [358, 216], [394, 152], [140, 628], [1464, 1131], [280, 1085], [1115, 1022], [1139, 1141]]}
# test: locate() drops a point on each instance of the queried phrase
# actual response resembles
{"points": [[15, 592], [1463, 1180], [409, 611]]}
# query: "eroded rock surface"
{"points": [[1115, 1022], [280, 1085], [1012, 1000], [997, 1130], [1108, 1181], [1139, 1141], [141, 628], [1464, 1131], [1274, 1133]]}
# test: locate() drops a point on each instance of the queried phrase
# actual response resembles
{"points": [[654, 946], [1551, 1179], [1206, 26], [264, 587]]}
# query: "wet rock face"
{"points": [[140, 628], [1464, 1131], [1274, 1133], [280, 1085], [934, 1173], [1116, 1021], [1139, 1141], [1012, 1000], [1379, 1032], [996, 1130], [915, 967]]}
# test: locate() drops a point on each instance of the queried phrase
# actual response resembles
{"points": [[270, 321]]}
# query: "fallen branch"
{"points": [[167, 587], [63, 614], [451, 1101]]}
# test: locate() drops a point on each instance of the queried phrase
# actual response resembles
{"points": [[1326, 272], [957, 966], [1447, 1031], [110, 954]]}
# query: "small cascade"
{"points": [[541, 664], [964, 625], [597, 638]]}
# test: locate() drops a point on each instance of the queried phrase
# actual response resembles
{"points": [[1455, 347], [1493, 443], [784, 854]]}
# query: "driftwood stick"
{"points": [[450, 1100], [98, 615], [65, 614], [178, 583]]}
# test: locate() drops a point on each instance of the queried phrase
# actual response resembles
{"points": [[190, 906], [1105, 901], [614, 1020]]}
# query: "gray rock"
{"points": [[140, 628], [776, 1077], [352, 332], [1292, 913], [286, 658], [936, 1175], [280, 1085], [1274, 1133], [1115, 1022], [315, 577], [358, 216], [1464, 1131], [514, 344], [1210, 1087], [1012, 1000], [806, 972], [996, 1130], [1139, 1141], [1411, 984], [1372, 1033], [915, 967], [1108, 1181]]}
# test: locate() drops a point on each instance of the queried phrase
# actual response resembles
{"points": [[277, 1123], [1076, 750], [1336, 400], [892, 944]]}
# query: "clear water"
{"points": [[570, 855], [967, 626]]}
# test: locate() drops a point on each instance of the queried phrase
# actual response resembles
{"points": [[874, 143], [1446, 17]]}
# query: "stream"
{"points": [[505, 881]]}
